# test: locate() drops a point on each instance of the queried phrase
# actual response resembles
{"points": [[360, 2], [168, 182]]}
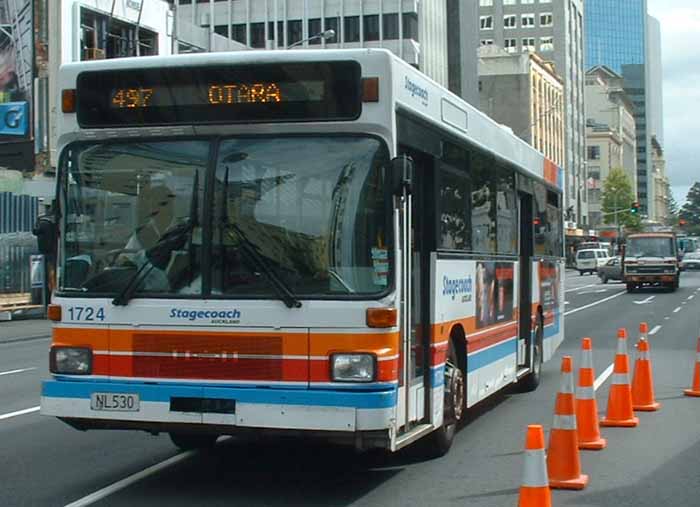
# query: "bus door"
{"points": [[525, 277], [412, 284]]}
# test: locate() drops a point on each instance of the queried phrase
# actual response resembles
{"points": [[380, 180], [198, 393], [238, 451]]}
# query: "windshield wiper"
{"points": [[284, 292], [159, 254]]}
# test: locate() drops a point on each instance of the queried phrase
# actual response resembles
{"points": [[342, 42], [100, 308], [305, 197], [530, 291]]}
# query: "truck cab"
{"points": [[651, 260]]}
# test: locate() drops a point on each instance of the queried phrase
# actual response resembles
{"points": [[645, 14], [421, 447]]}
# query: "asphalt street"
{"points": [[44, 462]]}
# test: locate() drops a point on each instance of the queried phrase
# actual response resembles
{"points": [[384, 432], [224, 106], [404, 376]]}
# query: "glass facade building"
{"points": [[622, 36], [615, 33]]}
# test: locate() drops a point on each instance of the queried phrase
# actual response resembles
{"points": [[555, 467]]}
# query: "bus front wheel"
{"points": [[440, 440], [193, 441]]}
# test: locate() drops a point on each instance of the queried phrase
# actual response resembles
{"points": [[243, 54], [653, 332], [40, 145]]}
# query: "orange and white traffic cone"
{"points": [[620, 411], [586, 406], [695, 390], [534, 490], [643, 380], [563, 460]]}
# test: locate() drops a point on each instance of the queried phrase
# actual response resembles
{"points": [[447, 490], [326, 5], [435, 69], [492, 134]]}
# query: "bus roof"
{"points": [[411, 91]]}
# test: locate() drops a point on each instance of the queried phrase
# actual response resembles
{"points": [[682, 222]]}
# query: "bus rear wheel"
{"points": [[193, 441], [454, 404]]}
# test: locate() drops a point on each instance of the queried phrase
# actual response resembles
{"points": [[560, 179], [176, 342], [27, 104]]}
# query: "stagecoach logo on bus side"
{"points": [[455, 287], [416, 91]]}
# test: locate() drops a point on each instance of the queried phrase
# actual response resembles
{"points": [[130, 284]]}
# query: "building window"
{"points": [[546, 43], [510, 45], [524, 2], [371, 27], [410, 25], [545, 1], [529, 44], [332, 24], [594, 153], [546, 19], [238, 33], [352, 29], [294, 31], [527, 20], [486, 22], [508, 2], [487, 42], [271, 30], [314, 29], [257, 35], [280, 34], [390, 26], [485, 3], [510, 21]]}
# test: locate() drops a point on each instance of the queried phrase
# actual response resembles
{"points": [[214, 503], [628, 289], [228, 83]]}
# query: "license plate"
{"points": [[115, 402]]}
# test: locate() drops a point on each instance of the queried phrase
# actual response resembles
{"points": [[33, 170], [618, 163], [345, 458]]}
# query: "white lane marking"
{"points": [[644, 301], [603, 377], [582, 287], [128, 481], [566, 303], [654, 331], [691, 296], [19, 412], [21, 370], [574, 310], [667, 318], [677, 310]]}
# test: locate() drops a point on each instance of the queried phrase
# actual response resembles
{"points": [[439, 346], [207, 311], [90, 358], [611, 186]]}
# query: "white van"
{"points": [[588, 260]]}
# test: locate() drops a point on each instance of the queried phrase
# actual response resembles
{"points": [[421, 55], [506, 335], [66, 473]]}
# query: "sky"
{"points": [[680, 26]]}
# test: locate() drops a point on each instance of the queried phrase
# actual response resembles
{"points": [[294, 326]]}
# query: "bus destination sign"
{"points": [[222, 94]]}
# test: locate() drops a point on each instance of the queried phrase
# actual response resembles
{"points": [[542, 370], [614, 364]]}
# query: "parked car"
{"points": [[590, 260], [611, 270], [691, 261]]}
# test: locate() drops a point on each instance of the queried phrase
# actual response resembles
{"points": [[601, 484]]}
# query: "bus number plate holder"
{"points": [[115, 402]]}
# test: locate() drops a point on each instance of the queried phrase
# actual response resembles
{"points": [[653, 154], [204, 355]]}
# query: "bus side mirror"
{"points": [[401, 170], [46, 234]]}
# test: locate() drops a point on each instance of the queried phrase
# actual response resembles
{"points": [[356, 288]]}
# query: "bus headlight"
{"points": [[70, 360], [353, 367]]}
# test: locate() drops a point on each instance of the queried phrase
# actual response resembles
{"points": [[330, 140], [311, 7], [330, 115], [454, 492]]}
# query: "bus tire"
{"points": [[193, 441], [530, 382], [454, 405], [630, 287]]}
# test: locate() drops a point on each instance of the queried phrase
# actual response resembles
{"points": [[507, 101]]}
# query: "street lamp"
{"points": [[325, 35]]}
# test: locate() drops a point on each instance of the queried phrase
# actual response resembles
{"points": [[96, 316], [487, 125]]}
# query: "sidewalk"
{"points": [[21, 330]]}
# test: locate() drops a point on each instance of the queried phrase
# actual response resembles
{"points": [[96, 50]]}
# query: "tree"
{"points": [[671, 206], [690, 212], [618, 197]]}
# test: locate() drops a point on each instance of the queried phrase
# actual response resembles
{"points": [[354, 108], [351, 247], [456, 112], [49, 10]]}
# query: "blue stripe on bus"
{"points": [[163, 393], [495, 353]]}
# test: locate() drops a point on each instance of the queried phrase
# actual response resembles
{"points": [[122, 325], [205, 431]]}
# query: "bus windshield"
{"points": [[650, 247], [309, 212]]}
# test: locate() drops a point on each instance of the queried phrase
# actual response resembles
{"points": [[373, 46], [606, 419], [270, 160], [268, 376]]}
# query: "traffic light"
{"points": [[635, 208]]}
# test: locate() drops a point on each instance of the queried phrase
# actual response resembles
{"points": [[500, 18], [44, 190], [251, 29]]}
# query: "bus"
{"points": [[323, 243]]}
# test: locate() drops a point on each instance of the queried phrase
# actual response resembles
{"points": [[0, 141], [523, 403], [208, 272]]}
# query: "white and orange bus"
{"points": [[324, 243]]}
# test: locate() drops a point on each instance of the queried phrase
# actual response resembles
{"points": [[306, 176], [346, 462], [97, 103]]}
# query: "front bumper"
{"points": [[650, 278], [287, 409]]}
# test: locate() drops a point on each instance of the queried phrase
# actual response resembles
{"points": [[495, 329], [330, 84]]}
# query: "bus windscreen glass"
{"points": [[221, 94]]}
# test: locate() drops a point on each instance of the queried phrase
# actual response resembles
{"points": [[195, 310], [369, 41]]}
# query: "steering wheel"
{"points": [[112, 255]]}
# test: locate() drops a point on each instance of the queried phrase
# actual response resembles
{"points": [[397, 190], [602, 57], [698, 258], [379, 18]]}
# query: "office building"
{"points": [[424, 33], [554, 30], [622, 36], [610, 136], [523, 92], [661, 183]]}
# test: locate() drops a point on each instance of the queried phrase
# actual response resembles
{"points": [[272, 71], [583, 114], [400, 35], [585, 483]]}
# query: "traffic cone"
{"points": [[695, 390], [563, 460], [642, 380], [534, 491], [586, 406], [620, 397]]}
